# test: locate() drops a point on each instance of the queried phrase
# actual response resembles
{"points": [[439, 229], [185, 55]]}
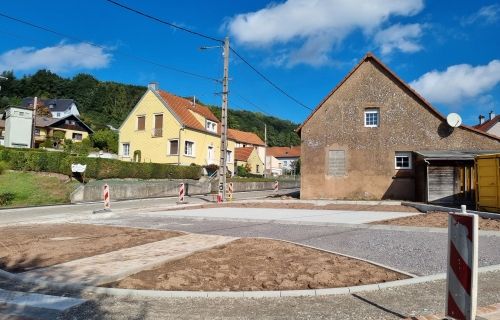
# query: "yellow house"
{"points": [[248, 157], [164, 128]]}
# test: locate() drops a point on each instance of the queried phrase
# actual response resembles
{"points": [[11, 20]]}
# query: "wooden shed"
{"points": [[446, 177], [488, 182]]}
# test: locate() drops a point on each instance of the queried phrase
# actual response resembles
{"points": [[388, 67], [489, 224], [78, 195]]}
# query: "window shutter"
{"points": [[141, 123], [336, 163]]}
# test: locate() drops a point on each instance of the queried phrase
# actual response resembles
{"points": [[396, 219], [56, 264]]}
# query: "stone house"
{"points": [[374, 137]]}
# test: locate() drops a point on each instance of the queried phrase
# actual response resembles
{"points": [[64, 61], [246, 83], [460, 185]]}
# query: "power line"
{"points": [[173, 25], [103, 47], [268, 80]]}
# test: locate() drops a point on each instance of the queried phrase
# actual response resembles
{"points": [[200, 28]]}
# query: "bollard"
{"points": [[276, 186], [461, 278]]}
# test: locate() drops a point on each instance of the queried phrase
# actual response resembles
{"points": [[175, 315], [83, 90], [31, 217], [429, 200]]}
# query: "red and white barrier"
{"points": [[461, 280], [276, 186], [106, 197], [229, 192], [182, 192]]}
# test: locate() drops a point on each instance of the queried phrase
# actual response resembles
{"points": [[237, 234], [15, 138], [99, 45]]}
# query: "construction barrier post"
{"points": [[276, 186], [229, 192], [182, 193], [461, 279]]}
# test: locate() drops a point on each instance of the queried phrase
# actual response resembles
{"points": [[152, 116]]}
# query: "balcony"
{"points": [[157, 132]]}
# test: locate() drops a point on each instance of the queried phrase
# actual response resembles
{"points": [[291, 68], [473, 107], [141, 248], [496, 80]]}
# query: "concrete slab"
{"points": [[291, 215], [112, 266]]}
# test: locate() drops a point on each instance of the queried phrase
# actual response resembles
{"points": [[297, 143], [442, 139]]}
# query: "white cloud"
{"points": [[317, 25], [458, 82], [485, 15], [60, 58], [399, 37]]}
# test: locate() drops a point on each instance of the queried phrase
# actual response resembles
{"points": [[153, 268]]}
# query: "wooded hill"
{"points": [[101, 103]]}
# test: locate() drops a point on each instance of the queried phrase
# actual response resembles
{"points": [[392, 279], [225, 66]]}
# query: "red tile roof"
{"points": [[426, 104], [284, 152], [487, 125], [182, 107], [245, 137], [242, 154]]}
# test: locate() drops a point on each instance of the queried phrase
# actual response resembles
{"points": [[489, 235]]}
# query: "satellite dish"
{"points": [[454, 120]]}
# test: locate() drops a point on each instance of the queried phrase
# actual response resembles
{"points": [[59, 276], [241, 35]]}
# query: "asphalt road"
{"points": [[419, 253]]}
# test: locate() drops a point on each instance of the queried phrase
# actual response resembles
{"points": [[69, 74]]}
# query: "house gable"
{"points": [[370, 58]]}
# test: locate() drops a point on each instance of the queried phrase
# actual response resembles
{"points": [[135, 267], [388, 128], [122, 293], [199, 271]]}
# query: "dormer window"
{"points": [[211, 126]]}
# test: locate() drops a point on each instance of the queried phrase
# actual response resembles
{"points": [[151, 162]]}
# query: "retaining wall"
{"points": [[124, 190]]}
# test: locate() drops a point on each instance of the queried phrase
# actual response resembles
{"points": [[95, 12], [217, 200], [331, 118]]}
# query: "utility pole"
{"points": [[265, 150], [33, 122], [223, 132]]}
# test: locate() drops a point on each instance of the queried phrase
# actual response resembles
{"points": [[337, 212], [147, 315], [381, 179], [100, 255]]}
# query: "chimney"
{"points": [[153, 86], [194, 101], [492, 114], [481, 119]]}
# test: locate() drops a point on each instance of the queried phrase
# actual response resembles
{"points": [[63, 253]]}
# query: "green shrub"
{"points": [[6, 198], [3, 166], [97, 168]]}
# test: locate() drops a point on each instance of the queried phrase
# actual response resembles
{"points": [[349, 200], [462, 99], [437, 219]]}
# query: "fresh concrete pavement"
{"points": [[413, 250]]}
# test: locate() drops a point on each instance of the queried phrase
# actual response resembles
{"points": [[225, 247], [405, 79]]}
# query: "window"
{"points": [[257, 168], [336, 163], [371, 118], [229, 156], [402, 160], [210, 155], [126, 149], [141, 123], [158, 126], [58, 114], [77, 136], [189, 148], [211, 126], [173, 148]]}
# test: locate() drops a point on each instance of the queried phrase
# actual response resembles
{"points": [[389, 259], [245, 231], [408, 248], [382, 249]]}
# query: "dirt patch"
{"points": [[259, 264], [310, 206], [24, 248], [437, 220]]}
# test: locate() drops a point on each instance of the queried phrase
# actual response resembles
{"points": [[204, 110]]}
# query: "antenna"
{"points": [[454, 120]]}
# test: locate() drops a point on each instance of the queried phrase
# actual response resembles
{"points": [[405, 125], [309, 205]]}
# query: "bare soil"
{"points": [[24, 248], [259, 264], [352, 207], [437, 220]]}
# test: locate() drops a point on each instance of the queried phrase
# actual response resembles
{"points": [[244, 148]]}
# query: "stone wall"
{"points": [[133, 189]]}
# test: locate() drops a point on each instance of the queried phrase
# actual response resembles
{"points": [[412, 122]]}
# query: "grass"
{"points": [[32, 189]]}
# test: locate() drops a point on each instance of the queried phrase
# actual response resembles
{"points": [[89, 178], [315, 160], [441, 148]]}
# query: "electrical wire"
{"points": [[189, 73], [269, 80], [173, 25]]}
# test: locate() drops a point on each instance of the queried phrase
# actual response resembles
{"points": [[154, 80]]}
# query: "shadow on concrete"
{"points": [[376, 305]]}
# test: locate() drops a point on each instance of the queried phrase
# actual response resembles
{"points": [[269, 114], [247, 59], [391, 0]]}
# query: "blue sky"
{"points": [[449, 53]]}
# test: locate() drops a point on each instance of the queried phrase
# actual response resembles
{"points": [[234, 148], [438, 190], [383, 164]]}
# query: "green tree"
{"points": [[105, 140]]}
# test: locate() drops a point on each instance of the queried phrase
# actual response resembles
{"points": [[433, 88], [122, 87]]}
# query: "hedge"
{"points": [[97, 168]]}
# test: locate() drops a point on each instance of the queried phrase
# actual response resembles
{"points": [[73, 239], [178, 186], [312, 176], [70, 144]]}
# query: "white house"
{"points": [[59, 108]]}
